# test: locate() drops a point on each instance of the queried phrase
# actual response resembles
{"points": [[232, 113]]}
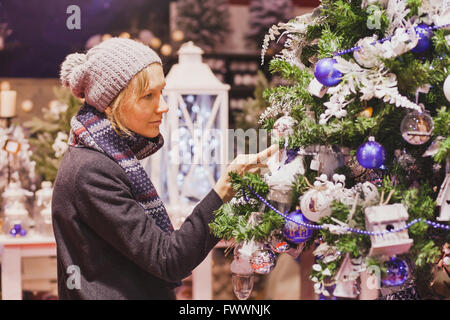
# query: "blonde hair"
{"points": [[139, 84]]}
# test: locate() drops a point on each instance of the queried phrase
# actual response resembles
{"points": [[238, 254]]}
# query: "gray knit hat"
{"points": [[106, 69]]}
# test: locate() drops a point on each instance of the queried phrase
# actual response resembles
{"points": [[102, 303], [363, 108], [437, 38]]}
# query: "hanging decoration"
{"points": [[396, 272], [371, 154], [424, 43], [417, 127], [293, 232], [326, 73]]}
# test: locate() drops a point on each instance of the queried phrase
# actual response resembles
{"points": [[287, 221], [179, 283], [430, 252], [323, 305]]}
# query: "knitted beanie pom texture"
{"points": [[72, 73], [105, 70]]}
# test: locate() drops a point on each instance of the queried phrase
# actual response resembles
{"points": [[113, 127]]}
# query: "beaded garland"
{"points": [[353, 230]]}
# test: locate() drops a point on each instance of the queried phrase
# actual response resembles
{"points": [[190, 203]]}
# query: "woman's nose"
{"points": [[163, 107]]}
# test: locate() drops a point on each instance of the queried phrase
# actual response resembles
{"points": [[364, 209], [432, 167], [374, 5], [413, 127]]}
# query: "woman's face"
{"points": [[145, 116]]}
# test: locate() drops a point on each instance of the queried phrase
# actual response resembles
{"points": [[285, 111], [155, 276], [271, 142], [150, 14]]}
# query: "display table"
{"points": [[12, 250]]}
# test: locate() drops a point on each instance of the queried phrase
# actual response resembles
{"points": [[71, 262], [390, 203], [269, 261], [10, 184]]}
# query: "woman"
{"points": [[114, 237]]}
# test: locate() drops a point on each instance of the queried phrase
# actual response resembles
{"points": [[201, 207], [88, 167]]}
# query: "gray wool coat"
{"points": [[107, 247]]}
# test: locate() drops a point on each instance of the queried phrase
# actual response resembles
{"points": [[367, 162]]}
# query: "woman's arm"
{"points": [[105, 203]]}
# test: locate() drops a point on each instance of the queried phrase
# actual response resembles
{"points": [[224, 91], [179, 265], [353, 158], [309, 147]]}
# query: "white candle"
{"points": [[8, 103]]}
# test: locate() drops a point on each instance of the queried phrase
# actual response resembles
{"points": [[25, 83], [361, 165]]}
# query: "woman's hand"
{"points": [[241, 164]]}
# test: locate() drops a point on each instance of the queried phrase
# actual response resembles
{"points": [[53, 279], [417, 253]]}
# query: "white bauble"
{"points": [[446, 88], [284, 127], [365, 56], [315, 204]]}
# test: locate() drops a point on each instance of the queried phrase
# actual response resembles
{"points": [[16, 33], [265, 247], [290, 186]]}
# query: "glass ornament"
{"points": [[263, 261], [242, 285], [396, 272], [417, 127]]}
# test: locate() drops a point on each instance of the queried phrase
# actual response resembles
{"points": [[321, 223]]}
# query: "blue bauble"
{"points": [[371, 155], [296, 233], [424, 42], [13, 232], [326, 73], [396, 273]]}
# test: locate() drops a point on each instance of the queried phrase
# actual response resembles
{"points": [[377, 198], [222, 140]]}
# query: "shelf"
{"points": [[27, 240]]}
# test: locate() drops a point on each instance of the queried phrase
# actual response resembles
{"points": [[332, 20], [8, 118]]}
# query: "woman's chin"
{"points": [[151, 133]]}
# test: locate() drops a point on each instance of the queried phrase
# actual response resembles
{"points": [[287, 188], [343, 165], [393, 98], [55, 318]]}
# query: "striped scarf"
{"points": [[91, 129]]}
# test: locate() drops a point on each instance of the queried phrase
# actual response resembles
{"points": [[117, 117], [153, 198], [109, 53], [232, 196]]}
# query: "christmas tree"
{"points": [[205, 22], [364, 133], [49, 135]]}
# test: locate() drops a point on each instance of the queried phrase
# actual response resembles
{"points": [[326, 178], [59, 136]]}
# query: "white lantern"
{"points": [[195, 150]]}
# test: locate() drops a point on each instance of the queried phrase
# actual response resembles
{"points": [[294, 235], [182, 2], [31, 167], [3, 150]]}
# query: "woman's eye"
{"points": [[150, 95]]}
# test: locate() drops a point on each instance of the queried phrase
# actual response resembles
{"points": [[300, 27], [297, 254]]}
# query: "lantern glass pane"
{"points": [[198, 146]]}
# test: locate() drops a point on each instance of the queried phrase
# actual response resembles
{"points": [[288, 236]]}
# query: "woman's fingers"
{"points": [[246, 161], [263, 155], [254, 170]]}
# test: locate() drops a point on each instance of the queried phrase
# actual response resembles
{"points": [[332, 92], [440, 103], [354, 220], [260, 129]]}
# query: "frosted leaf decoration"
{"points": [[370, 83]]}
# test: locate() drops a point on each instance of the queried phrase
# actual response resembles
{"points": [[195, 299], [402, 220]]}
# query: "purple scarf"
{"points": [[92, 129]]}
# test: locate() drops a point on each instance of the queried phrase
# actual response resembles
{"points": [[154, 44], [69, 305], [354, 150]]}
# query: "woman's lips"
{"points": [[156, 122]]}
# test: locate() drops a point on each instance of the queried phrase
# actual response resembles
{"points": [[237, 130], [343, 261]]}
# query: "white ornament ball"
{"points": [[446, 261], [362, 56], [446, 88], [284, 127], [315, 204]]}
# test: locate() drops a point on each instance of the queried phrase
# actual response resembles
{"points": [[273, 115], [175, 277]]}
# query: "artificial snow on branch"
{"points": [[378, 83]]}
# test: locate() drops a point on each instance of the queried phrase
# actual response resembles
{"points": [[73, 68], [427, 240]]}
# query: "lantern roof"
{"points": [[191, 74]]}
